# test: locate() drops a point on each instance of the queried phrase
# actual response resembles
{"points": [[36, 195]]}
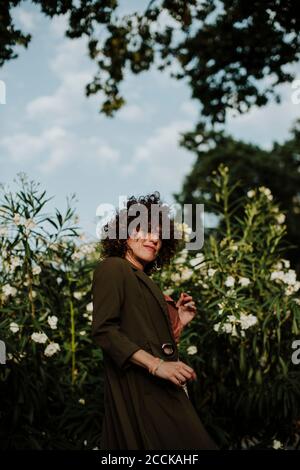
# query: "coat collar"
{"points": [[153, 288]]}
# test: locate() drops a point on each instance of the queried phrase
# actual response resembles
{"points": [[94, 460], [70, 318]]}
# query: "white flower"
{"points": [[82, 251], [180, 260], [18, 220], [234, 332], [29, 224], [51, 349], [89, 307], [14, 327], [9, 290], [221, 307], [229, 282], [58, 280], [89, 317], [277, 444], [78, 295], [175, 277], [266, 192], [232, 318], [199, 258], [278, 266], [227, 327], [251, 193], [211, 272], [244, 281], [33, 293], [192, 350], [36, 270], [82, 332], [168, 291], [52, 320], [186, 228], [291, 289], [275, 275], [3, 231], [231, 292], [39, 337], [186, 274], [81, 401], [15, 261], [247, 321], [280, 218], [195, 261], [286, 263], [288, 278]]}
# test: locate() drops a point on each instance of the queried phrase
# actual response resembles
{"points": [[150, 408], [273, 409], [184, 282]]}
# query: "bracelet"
{"points": [[154, 368]]}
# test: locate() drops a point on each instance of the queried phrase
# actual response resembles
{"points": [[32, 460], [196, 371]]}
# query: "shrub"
{"points": [[240, 342]]}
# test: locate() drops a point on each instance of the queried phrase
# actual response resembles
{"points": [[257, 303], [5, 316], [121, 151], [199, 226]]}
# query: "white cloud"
{"points": [[131, 113], [105, 153], [53, 148], [267, 124], [67, 105], [27, 19], [59, 25], [159, 159], [190, 109], [22, 147]]}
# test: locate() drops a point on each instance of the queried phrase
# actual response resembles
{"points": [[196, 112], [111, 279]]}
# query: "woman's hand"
{"points": [[186, 308], [176, 371]]}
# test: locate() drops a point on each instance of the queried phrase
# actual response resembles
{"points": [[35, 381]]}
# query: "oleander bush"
{"points": [[51, 385], [240, 341]]}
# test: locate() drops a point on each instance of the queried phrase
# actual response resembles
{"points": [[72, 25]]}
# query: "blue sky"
{"points": [[53, 133]]}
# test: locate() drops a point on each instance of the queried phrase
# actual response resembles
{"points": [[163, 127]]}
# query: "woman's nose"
{"points": [[153, 237]]}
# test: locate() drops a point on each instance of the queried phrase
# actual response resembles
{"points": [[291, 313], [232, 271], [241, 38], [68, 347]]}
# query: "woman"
{"points": [[146, 406]]}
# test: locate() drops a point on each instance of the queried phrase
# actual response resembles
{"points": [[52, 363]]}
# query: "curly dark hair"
{"points": [[118, 246]]}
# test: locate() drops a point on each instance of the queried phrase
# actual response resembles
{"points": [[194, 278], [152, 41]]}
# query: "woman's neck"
{"points": [[138, 264]]}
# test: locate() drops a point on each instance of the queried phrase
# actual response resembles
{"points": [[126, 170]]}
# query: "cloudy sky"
{"points": [[53, 133]]}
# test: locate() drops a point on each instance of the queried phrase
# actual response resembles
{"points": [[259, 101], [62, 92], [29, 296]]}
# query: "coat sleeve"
{"points": [[174, 318], [108, 296]]}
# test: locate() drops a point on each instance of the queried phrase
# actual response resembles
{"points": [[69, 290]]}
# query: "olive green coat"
{"points": [[142, 411]]}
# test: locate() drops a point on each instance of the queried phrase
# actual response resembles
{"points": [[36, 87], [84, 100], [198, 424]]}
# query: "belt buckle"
{"points": [[168, 349]]}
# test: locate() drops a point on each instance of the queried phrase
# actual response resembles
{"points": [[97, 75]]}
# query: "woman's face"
{"points": [[145, 247]]}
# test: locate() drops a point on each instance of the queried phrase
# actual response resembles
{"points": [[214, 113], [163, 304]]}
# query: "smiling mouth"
{"points": [[150, 248]]}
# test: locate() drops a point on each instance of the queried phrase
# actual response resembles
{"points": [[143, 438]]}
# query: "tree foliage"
{"points": [[277, 169], [224, 49]]}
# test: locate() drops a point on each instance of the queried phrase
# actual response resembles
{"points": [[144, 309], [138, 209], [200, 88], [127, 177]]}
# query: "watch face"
{"points": [[168, 349]]}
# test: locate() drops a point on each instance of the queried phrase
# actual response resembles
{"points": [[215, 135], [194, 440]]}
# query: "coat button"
{"points": [[168, 349]]}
